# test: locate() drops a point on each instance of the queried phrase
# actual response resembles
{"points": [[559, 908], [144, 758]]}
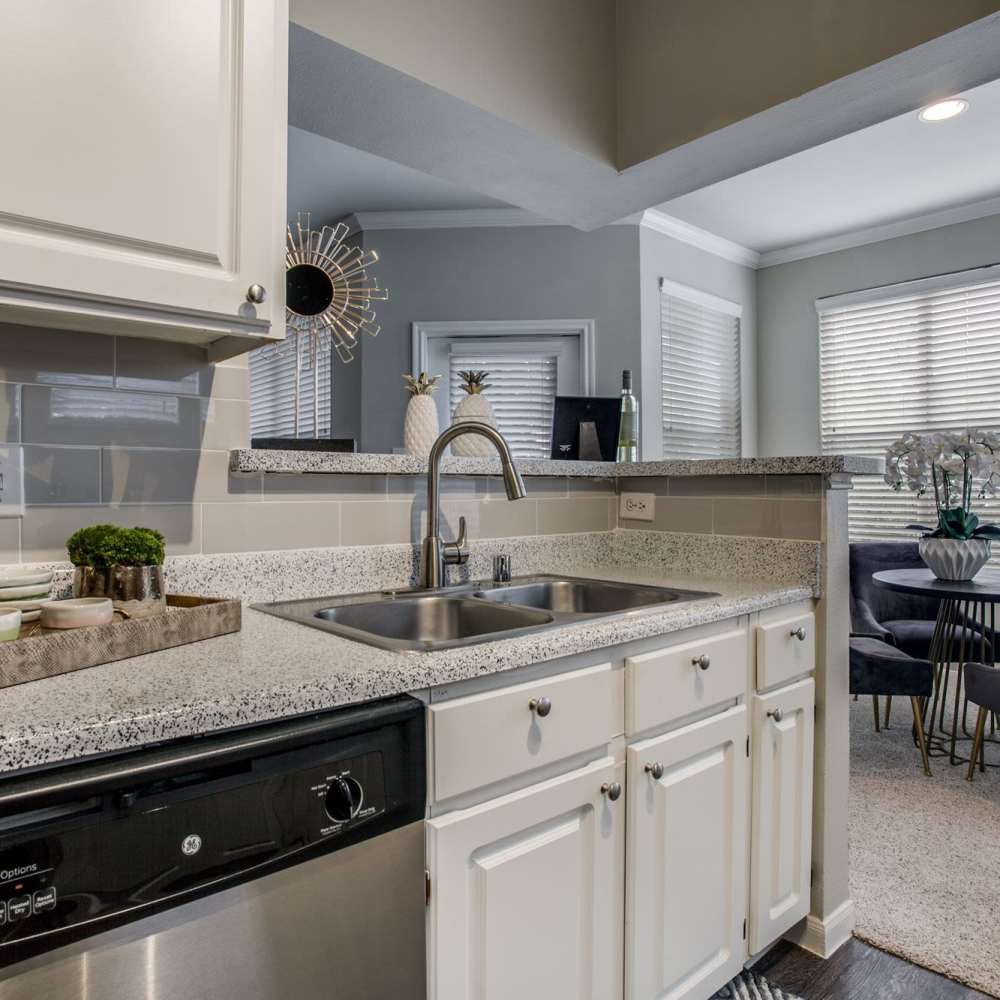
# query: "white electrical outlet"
{"points": [[11, 481], [637, 506]]}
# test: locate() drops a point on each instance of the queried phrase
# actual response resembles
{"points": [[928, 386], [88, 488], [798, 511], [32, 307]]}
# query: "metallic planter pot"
{"points": [[954, 559], [138, 591]]}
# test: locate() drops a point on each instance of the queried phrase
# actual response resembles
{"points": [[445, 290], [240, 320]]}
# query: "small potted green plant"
{"points": [[950, 464], [125, 564]]}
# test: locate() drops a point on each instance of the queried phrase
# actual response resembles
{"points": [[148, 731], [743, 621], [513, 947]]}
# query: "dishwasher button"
{"points": [[45, 899], [19, 907]]}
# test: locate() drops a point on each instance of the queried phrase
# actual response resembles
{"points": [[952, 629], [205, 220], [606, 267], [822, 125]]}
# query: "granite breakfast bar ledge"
{"points": [[256, 461]]}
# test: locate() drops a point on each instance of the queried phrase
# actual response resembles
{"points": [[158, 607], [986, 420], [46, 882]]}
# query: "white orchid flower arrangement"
{"points": [[950, 463]]}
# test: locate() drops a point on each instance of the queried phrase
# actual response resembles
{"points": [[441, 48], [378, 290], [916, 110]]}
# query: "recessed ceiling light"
{"points": [[943, 110]]}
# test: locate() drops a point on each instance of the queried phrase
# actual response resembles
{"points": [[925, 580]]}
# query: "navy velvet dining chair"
{"points": [[982, 688], [903, 620]]}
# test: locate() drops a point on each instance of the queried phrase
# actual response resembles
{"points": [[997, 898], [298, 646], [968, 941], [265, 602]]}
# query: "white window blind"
{"points": [[522, 393], [926, 358], [700, 371], [272, 393]]}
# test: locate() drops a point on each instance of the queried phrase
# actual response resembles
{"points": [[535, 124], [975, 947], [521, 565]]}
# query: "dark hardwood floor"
{"points": [[857, 972]]}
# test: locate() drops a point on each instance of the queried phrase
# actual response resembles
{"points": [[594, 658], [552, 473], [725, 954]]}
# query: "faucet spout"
{"points": [[435, 553]]}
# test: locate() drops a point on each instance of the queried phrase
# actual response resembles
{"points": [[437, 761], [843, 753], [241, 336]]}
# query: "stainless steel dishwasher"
{"points": [[285, 861]]}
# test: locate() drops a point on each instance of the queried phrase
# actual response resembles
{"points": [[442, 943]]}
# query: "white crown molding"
{"points": [[876, 234], [684, 232], [473, 218], [447, 218]]}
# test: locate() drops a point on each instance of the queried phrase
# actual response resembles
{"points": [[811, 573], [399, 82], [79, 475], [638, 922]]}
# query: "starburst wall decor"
{"points": [[328, 293]]}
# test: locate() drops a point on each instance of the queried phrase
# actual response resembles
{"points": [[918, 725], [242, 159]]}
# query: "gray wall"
{"points": [[518, 273], [661, 256], [788, 339]]}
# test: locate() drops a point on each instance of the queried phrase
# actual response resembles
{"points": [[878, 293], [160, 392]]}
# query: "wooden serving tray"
{"points": [[46, 652]]}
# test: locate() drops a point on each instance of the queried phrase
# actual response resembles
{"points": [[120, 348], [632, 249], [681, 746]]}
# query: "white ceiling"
{"points": [[896, 170], [332, 180]]}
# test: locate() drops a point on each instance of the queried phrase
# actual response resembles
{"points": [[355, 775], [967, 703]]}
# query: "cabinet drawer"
{"points": [[670, 683], [487, 737], [781, 654]]}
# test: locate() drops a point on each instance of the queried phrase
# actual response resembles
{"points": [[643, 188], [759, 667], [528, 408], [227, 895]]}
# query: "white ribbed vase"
{"points": [[473, 407], [953, 558], [420, 430]]}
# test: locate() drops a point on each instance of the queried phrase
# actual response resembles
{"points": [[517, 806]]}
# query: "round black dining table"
{"points": [[964, 631]]}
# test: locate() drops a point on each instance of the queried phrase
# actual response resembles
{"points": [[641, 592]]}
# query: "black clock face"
{"points": [[308, 289]]}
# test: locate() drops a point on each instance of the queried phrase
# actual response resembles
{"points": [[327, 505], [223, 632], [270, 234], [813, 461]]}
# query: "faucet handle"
{"points": [[456, 553]]}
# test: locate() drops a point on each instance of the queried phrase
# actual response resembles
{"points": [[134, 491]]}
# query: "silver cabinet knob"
{"points": [[776, 714], [799, 633], [612, 789], [540, 706], [256, 293], [702, 661], [655, 770]]}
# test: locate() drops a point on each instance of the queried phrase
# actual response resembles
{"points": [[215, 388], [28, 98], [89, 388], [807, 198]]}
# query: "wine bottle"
{"points": [[628, 430]]}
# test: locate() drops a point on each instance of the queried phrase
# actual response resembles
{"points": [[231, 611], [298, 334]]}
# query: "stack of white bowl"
{"points": [[25, 591]]}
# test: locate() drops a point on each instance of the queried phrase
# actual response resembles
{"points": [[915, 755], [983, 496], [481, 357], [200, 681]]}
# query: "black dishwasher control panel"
{"points": [[72, 861]]}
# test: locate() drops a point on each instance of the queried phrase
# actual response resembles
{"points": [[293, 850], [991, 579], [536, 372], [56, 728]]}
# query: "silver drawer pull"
{"points": [[256, 293], [776, 714], [540, 706], [612, 789], [799, 633], [704, 661], [654, 770]]}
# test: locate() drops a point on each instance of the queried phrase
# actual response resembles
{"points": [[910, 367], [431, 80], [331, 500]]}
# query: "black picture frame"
{"points": [[571, 411]]}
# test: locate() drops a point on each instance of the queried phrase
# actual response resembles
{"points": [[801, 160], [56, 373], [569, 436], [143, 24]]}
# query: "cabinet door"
{"points": [[527, 893], [145, 152], [781, 843], [687, 860]]}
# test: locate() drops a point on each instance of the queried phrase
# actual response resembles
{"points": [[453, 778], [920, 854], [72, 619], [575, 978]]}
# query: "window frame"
{"points": [[653, 418], [878, 295]]}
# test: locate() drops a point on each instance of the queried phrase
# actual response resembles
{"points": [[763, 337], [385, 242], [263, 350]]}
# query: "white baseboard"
{"points": [[824, 936]]}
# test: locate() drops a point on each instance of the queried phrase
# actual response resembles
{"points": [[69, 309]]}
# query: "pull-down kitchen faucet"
{"points": [[436, 553]]}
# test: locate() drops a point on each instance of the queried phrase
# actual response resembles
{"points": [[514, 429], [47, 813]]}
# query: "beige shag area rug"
{"points": [[750, 986], [925, 852]]}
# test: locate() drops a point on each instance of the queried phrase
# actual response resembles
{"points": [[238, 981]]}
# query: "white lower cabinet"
{"points": [[527, 893], [781, 842], [687, 853]]}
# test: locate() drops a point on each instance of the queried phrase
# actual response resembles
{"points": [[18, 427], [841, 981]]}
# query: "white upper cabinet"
{"points": [[687, 852], [142, 186]]}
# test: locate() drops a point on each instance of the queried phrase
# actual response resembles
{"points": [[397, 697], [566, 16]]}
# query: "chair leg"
{"points": [[977, 743], [918, 724], [878, 724], [888, 707]]}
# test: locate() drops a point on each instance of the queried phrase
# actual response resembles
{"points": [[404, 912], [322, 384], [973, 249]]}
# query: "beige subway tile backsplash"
{"points": [[323, 487], [61, 475], [250, 527], [10, 410], [10, 540], [717, 486], [44, 530], [374, 522], [768, 518], [688, 514], [575, 514], [162, 475], [55, 357]]}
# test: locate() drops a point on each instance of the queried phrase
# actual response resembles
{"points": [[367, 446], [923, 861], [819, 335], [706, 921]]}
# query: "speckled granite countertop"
{"points": [[258, 460], [276, 668]]}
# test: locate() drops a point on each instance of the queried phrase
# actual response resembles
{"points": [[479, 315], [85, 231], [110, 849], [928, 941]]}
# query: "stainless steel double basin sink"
{"points": [[423, 620]]}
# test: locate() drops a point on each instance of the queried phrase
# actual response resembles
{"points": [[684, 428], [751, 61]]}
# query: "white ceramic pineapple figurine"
{"points": [[473, 406], [420, 430]]}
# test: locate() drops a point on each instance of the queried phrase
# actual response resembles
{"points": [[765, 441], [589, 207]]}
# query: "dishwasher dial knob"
{"points": [[343, 799]]}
